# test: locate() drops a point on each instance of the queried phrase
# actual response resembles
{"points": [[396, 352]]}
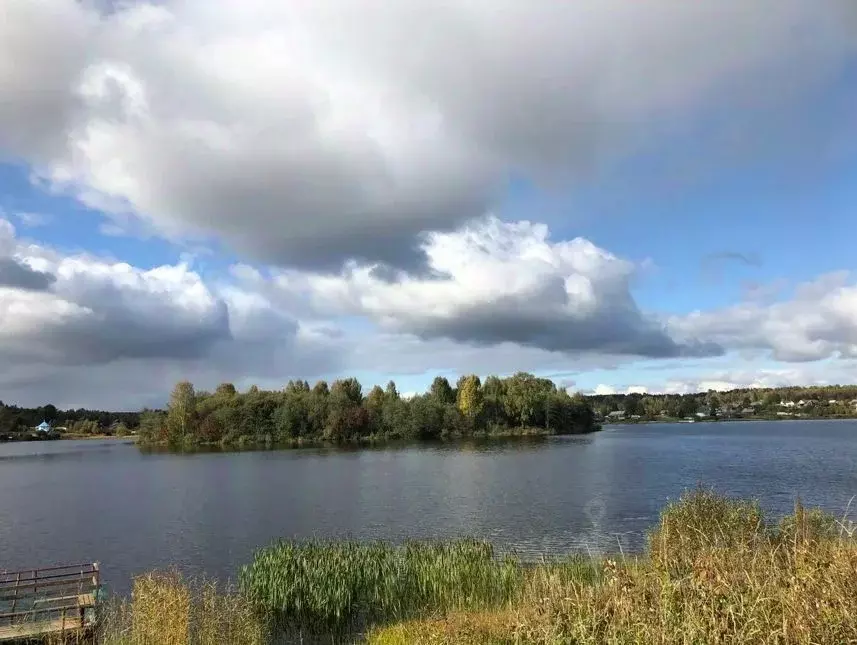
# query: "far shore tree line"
{"points": [[816, 401], [17, 421], [340, 412]]}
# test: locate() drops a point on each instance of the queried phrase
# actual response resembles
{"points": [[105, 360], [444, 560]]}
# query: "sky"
{"points": [[622, 196]]}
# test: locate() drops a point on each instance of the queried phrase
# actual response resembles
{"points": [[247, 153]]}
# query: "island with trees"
{"points": [[339, 412]]}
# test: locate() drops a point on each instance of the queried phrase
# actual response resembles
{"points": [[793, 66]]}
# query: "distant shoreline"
{"points": [[625, 422]]}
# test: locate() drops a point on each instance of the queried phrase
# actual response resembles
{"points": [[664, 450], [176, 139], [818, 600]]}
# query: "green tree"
{"points": [[181, 412], [390, 392], [225, 390], [441, 391]]}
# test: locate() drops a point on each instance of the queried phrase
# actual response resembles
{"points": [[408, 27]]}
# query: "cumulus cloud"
{"points": [[307, 133], [818, 321], [755, 378], [107, 333], [17, 275], [496, 282]]}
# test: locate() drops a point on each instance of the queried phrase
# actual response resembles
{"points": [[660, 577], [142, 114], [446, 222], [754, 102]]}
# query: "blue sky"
{"points": [[705, 184]]}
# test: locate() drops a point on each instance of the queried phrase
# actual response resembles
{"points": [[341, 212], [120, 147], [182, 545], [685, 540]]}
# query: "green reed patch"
{"points": [[323, 586]]}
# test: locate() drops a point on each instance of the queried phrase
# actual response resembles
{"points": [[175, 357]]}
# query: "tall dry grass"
{"points": [[715, 573], [168, 609]]}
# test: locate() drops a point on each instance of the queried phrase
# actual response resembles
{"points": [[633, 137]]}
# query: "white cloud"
{"points": [[818, 321], [308, 133], [106, 333], [33, 220], [603, 390], [748, 377], [494, 282]]}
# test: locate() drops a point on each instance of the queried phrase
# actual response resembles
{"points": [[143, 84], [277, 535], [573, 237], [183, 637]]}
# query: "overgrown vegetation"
{"points": [[339, 412], [167, 609], [342, 587], [714, 572]]}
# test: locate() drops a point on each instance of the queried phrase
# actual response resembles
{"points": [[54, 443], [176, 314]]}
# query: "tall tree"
{"points": [[441, 391], [181, 413], [470, 397]]}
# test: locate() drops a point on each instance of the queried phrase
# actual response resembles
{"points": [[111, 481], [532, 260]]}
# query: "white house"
{"points": [[44, 426]]}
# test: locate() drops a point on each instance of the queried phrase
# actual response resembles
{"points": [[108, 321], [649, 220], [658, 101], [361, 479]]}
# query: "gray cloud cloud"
{"points": [[18, 275], [493, 283], [306, 134], [112, 335]]}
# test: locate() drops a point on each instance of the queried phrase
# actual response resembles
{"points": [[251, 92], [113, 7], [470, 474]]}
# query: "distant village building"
{"points": [[618, 414], [44, 426]]}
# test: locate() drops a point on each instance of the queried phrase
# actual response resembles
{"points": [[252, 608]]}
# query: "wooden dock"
{"points": [[56, 602]]}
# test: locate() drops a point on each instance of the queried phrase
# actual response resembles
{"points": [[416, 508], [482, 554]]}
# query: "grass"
{"points": [[714, 571], [342, 587], [167, 609]]}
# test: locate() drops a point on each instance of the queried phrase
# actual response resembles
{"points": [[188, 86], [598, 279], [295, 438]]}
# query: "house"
{"points": [[616, 416], [44, 426], [748, 411]]}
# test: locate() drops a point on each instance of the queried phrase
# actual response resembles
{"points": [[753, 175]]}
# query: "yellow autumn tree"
{"points": [[469, 399]]}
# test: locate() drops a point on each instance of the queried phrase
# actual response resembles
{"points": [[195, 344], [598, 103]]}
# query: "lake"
{"points": [[69, 501]]}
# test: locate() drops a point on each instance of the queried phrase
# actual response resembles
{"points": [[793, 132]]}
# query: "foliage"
{"points": [[715, 573], [323, 587], [167, 609], [815, 401], [16, 420], [340, 413]]}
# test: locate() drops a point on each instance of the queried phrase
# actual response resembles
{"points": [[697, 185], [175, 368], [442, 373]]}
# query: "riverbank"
{"points": [[63, 436], [792, 417], [713, 571], [370, 441]]}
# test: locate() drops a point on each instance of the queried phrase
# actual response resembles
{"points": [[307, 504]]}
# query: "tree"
{"points": [[374, 404], [470, 398], [152, 425], [390, 392], [525, 399], [225, 390], [441, 391], [350, 388], [49, 413], [181, 412]]}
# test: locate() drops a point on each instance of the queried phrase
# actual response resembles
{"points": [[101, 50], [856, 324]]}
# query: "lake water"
{"points": [[106, 501]]}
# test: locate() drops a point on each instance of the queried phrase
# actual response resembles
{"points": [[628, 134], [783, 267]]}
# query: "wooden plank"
{"points": [[20, 577], [39, 610], [8, 594], [83, 599], [83, 565], [41, 628]]}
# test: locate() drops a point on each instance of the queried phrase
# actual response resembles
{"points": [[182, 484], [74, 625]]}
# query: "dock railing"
{"points": [[35, 603]]}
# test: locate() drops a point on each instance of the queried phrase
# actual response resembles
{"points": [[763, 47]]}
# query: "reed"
{"points": [[167, 609], [321, 586]]}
